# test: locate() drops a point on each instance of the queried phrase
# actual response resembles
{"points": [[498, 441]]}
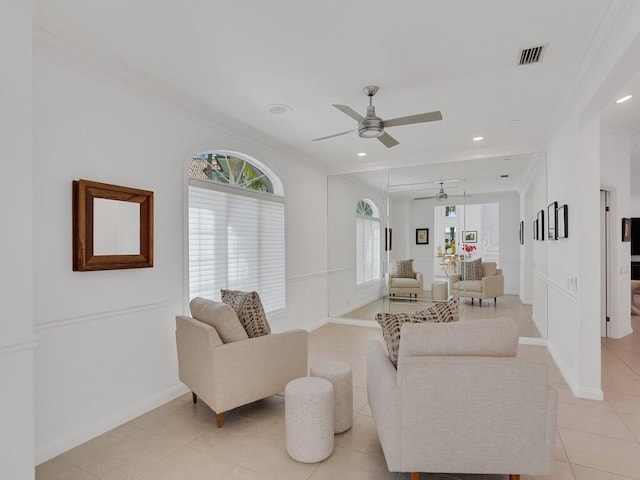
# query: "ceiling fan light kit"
{"points": [[372, 126]]}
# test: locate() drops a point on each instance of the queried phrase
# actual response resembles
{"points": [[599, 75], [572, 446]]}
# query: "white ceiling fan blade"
{"points": [[388, 140], [334, 135], [410, 119], [349, 111]]}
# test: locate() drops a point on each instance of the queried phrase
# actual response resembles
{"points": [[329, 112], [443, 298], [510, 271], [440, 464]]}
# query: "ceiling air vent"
{"points": [[531, 55]]}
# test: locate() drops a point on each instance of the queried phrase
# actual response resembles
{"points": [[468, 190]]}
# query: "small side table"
{"points": [[339, 374], [308, 412], [439, 291]]}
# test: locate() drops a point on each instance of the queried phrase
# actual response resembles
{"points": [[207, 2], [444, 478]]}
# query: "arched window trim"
{"points": [[276, 183], [367, 232]]}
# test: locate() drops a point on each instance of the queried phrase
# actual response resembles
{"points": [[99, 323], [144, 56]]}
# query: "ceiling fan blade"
{"points": [[388, 140], [423, 198], [334, 135], [419, 118], [349, 111]]}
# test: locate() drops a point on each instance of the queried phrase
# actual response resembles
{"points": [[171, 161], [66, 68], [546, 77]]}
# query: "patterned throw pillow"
{"points": [[249, 309], [404, 269], [439, 312], [391, 323], [471, 270]]}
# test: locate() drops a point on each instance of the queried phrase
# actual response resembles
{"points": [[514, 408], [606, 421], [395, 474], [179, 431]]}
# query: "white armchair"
{"points": [[461, 402], [228, 375], [412, 286], [490, 286]]}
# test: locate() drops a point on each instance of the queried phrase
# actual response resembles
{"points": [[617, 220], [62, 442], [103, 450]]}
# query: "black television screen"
{"points": [[635, 236]]}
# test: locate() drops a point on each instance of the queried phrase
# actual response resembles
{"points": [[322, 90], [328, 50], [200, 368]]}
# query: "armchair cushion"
{"points": [[220, 316], [249, 309], [489, 269], [471, 270], [402, 282], [404, 268]]}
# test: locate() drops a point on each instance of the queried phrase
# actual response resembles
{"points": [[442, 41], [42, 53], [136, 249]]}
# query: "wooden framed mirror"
{"points": [[112, 227]]}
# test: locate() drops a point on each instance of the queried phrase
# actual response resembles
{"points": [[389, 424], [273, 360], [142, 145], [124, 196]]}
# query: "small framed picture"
{"points": [[563, 221], [540, 226], [470, 236], [521, 232], [626, 229], [552, 221], [422, 236], [388, 239]]}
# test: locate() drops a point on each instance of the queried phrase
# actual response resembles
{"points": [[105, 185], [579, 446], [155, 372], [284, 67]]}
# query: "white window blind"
{"points": [[367, 249], [236, 242]]}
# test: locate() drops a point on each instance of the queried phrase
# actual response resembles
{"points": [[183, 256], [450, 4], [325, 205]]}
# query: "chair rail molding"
{"points": [[21, 345]]}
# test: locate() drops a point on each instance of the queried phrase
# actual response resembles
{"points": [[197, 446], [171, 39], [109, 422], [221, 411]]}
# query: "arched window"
{"points": [[236, 228], [367, 242]]}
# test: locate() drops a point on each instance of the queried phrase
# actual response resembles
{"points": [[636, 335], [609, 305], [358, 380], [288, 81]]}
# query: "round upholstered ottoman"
{"points": [[339, 374], [439, 291], [308, 411]]}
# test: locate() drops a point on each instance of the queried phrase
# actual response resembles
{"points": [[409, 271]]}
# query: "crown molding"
{"points": [[596, 61], [28, 6], [64, 51]]}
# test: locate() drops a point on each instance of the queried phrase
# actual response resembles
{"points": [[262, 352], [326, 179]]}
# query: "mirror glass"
{"points": [[116, 227], [472, 209]]}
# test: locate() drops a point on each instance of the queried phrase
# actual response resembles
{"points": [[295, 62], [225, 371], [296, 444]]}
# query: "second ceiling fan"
{"points": [[372, 126]]}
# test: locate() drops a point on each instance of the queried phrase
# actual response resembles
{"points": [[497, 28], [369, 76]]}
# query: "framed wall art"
{"points": [[470, 236], [521, 232], [626, 229], [563, 221], [552, 221], [422, 236], [540, 226]]}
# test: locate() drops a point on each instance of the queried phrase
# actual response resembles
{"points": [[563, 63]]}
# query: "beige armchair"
{"points": [[460, 402], [403, 286], [491, 285], [228, 375]]}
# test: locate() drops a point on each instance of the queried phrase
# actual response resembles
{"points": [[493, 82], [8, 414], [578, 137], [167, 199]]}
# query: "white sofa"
{"points": [[228, 375], [460, 402], [491, 285]]}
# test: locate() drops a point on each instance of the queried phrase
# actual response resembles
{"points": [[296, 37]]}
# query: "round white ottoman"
{"points": [[439, 291], [339, 374], [308, 411]]}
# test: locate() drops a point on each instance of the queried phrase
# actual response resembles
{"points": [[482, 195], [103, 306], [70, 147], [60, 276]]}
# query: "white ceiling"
{"points": [[458, 56]]}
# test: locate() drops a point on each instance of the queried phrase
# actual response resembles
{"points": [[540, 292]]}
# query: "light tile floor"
{"points": [[179, 440]]}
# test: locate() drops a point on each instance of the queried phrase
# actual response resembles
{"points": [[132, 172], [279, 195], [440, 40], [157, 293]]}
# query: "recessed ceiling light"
{"points": [[362, 154], [624, 99], [478, 139], [279, 108]]}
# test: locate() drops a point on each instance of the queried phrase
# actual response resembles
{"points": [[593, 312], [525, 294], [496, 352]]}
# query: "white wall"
{"points": [[344, 193], [574, 314], [615, 155], [16, 280], [106, 348]]}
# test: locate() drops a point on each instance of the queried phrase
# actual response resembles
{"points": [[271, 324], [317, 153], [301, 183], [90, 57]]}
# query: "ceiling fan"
{"points": [[442, 195], [372, 126]]}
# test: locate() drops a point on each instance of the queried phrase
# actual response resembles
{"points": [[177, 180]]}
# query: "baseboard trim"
{"points": [[61, 445], [589, 393], [359, 323], [542, 342]]}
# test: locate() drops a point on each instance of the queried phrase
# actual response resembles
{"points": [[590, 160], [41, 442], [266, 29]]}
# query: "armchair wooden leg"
{"points": [[495, 301], [480, 301], [471, 300], [220, 420], [416, 476], [514, 477], [194, 397]]}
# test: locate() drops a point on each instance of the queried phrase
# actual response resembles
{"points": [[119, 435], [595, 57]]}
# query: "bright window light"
{"points": [[478, 139], [624, 99]]}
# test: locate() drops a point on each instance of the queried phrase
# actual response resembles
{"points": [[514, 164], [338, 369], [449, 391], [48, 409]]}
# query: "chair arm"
{"points": [[383, 394], [420, 279], [251, 369], [493, 286], [194, 341]]}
